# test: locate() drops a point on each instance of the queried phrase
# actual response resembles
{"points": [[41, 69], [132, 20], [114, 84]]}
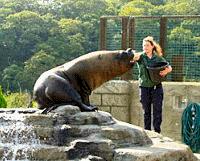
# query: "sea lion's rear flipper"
{"points": [[86, 108]]}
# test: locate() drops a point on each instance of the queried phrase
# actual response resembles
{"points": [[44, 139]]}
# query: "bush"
{"points": [[3, 103], [19, 100]]}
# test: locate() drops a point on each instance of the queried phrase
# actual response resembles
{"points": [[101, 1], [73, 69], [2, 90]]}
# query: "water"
{"points": [[17, 140]]}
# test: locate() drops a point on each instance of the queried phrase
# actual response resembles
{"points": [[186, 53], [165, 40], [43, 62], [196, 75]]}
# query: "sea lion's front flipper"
{"points": [[47, 110]]}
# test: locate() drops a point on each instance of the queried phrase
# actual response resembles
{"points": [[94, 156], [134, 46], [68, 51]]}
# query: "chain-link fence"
{"points": [[179, 36]]}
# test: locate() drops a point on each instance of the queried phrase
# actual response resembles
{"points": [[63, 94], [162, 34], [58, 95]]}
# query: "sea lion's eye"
{"points": [[100, 57]]}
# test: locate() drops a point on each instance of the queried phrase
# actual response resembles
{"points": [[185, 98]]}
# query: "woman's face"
{"points": [[147, 47]]}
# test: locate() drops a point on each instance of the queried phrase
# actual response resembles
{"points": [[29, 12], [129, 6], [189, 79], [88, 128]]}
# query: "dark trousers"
{"points": [[152, 96]]}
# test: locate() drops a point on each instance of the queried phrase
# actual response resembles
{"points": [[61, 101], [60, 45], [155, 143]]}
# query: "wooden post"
{"points": [[163, 33], [131, 33], [124, 32], [102, 34], [125, 28]]}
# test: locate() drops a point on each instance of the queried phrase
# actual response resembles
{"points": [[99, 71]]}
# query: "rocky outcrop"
{"points": [[68, 134]]}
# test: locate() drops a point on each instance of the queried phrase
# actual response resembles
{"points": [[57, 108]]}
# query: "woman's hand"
{"points": [[136, 56], [164, 72]]}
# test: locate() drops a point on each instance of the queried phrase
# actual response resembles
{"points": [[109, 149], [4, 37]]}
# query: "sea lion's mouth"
{"points": [[132, 62]]}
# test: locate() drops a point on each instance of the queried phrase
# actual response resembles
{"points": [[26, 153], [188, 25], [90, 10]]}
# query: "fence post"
{"points": [[125, 26], [163, 33], [124, 32], [131, 32], [102, 38]]}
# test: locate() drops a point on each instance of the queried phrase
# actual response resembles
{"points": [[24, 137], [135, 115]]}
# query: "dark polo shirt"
{"points": [[144, 78]]}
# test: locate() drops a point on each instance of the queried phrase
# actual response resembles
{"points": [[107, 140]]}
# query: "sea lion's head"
{"points": [[126, 57]]}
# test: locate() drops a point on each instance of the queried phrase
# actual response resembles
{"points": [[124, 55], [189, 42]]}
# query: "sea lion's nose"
{"points": [[130, 52]]}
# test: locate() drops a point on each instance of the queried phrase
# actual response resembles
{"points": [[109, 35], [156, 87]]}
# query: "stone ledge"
{"points": [[119, 86]]}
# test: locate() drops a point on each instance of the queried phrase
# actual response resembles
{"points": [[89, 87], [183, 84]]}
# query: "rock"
{"points": [[123, 134], [48, 153], [67, 110], [87, 118], [82, 148], [68, 134], [157, 152]]}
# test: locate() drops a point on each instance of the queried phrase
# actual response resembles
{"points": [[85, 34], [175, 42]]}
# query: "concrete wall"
{"points": [[121, 99]]}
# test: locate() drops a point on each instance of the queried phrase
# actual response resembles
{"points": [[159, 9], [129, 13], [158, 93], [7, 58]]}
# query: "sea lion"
{"points": [[73, 82]]}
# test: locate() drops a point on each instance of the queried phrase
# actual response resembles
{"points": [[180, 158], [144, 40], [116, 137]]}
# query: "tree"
{"points": [[156, 2], [11, 75], [88, 12], [67, 38], [36, 65], [178, 37], [114, 6], [136, 8], [19, 6], [19, 35]]}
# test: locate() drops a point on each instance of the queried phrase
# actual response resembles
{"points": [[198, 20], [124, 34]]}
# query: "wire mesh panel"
{"points": [[113, 34], [183, 47], [179, 36], [144, 26]]}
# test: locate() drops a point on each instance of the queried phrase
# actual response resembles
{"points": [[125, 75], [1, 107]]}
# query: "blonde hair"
{"points": [[156, 48]]}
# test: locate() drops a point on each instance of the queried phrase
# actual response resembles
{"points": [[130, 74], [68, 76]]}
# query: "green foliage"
{"points": [[114, 6], [4, 12], [84, 10], [183, 42], [156, 2], [89, 12], [22, 31], [190, 25], [38, 35], [40, 62], [18, 6], [3, 103], [68, 38], [18, 100], [11, 77], [136, 8], [178, 38], [181, 34]]}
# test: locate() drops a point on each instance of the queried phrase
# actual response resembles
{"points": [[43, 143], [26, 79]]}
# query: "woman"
{"points": [[151, 92]]}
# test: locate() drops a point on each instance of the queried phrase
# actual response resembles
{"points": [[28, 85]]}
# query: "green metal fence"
{"points": [[179, 36]]}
